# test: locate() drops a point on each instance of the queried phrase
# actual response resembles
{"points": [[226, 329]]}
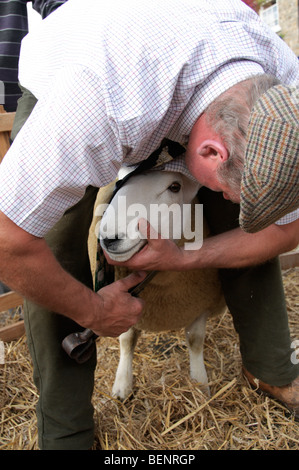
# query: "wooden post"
{"points": [[2, 354], [6, 122], [11, 299]]}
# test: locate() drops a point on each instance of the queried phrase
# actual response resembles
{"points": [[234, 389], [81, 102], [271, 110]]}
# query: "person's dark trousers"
{"points": [[25, 105], [255, 298], [64, 410]]}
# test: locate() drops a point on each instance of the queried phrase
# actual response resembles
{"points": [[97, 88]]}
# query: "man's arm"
{"points": [[237, 249], [232, 249], [29, 267]]}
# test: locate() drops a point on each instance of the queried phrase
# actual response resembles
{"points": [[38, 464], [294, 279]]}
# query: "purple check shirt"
{"points": [[112, 80]]}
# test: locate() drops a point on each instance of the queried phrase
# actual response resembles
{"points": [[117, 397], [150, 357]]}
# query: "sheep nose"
{"points": [[111, 243]]}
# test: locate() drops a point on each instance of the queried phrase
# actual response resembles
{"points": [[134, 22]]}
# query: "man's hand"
{"points": [[157, 255], [119, 309]]}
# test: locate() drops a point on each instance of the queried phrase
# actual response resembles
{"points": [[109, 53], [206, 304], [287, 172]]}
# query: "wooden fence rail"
{"points": [[15, 330], [6, 122]]}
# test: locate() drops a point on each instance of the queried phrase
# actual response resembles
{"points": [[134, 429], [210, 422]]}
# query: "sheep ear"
{"points": [[125, 170]]}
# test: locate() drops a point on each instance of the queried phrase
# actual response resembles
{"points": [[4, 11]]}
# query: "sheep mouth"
{"points": [[120, 252]]}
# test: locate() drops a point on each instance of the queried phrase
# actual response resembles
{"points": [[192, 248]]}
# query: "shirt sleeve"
{"points": [[287, 219], [66, 144]]}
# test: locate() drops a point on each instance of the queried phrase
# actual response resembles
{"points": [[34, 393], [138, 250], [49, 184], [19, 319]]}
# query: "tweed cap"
{"points": [[270, 183]]}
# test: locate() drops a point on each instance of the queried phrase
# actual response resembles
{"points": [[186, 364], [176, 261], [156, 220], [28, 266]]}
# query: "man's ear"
{"points": [[213, 149]]}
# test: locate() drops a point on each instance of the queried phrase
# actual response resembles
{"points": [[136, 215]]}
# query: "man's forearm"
{"points": [[29, 267], [34, 272], [232, 249], [237, 249]]}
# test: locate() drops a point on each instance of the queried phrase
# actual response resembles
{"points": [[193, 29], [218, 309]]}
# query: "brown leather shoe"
{"points": [[287, 395]]}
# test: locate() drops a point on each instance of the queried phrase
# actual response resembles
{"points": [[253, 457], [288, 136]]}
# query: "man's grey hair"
{"points": [[229, 116]]}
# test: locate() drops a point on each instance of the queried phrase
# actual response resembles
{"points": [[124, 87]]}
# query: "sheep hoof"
{"points": [[121, 393], [204, 388]]}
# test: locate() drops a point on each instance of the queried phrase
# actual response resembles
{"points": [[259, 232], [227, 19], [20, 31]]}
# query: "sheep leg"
{"points": [[123, 384], [195, 335]]}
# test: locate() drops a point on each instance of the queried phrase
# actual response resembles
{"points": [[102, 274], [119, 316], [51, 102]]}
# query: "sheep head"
{"points": [[157, 196]]}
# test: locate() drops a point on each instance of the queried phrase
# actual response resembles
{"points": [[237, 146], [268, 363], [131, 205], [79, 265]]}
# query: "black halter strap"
{"points": [[174, 149]]}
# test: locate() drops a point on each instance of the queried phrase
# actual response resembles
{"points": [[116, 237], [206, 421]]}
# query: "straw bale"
{"points": [[167, 411]]}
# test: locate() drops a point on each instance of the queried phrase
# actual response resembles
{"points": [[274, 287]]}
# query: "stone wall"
{"points": [[288, 20], [288, 11]]}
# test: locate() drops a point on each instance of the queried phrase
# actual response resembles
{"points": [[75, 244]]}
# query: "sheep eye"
{"points": [[175, 187]]}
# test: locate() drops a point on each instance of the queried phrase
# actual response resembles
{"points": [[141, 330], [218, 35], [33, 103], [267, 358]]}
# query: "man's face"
{"points": [[205, 167]]}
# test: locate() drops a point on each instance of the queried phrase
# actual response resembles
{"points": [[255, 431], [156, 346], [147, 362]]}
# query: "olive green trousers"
{"points": [[254, 296]]}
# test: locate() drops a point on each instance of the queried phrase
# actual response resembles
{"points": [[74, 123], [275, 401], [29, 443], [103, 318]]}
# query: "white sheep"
{"points": [[173, 300]]}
